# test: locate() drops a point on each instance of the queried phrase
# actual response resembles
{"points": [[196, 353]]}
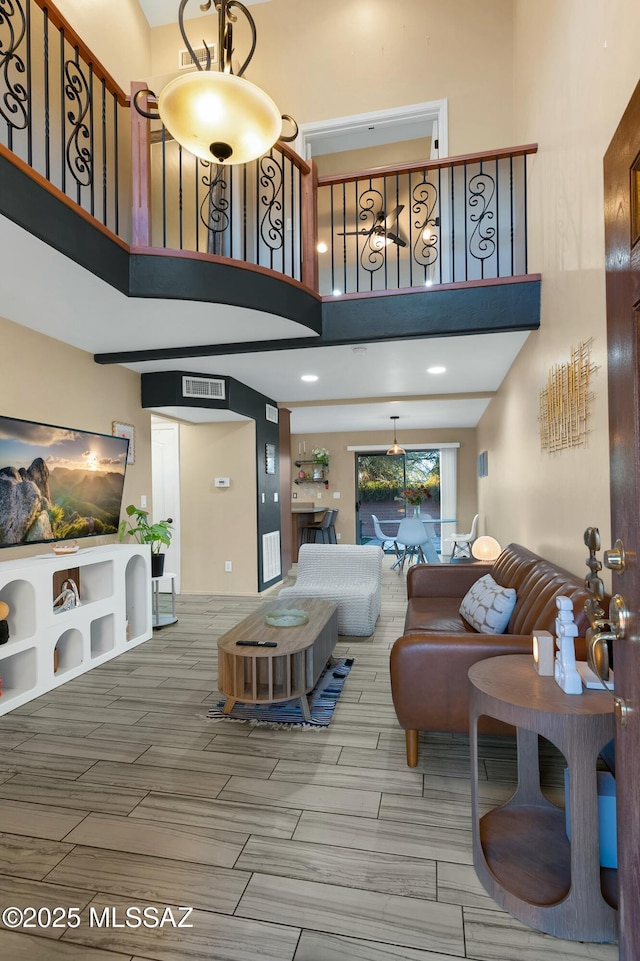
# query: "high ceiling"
{"points": [[355, 390], [160, 12]]}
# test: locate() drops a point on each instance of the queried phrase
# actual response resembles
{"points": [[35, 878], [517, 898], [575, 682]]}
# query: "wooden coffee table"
{"points": [[267, 675]]}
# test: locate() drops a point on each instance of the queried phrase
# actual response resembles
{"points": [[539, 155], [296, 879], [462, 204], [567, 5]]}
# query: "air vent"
{"points": [[185, 60], [271, 413], [271, 566], [210, 387]]}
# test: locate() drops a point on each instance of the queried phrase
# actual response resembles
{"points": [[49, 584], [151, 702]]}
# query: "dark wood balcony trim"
{"points": [[466, 308], [45, 212], [208, 278], [225, 262], [56, 193]]}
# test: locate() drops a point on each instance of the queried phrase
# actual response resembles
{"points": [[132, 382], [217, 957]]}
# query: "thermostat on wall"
{"points": [[222, 482]]}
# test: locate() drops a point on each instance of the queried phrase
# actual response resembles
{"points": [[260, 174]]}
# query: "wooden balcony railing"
{"points": [[255, 213], [65, 121], [445, 221], [61, 112]]}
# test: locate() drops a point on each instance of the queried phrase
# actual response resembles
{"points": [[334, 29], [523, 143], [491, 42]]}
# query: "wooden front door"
{"points": [[622, 238]]}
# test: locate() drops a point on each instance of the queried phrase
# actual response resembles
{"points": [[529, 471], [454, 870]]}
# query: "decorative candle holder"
{"points": [[543, 652]]}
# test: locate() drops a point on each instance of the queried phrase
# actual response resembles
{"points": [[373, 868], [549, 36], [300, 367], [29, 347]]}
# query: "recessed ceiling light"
{"points": [[309, 377], [337, 293], [359, 350], [322, 247], [436, 370]]}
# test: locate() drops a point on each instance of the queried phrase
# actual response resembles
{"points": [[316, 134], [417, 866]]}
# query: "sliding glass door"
{"points": [[381, 480]]}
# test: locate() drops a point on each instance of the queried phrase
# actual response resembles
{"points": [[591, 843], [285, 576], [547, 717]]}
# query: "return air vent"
{"points": [[212, 388], [185, 60], [271, 413], [271, 566]]}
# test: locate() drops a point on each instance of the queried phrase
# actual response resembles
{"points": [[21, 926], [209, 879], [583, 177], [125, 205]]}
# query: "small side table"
{"points": [[520, 850], [158, 619]]}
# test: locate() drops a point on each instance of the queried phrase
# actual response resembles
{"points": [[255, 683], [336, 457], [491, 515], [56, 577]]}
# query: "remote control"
{"points": [[257, 643]]}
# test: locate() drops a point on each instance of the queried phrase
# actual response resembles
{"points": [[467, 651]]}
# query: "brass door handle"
{"points": [[598, 652]]}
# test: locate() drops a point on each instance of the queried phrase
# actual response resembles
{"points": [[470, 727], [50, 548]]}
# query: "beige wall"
{"points": [[342, 470], [117, 33], [218, 524], [576, 67], [369, 158], [324, 60], [47, 381]]}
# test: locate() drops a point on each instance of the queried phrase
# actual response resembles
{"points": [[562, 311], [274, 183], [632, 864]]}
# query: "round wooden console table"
{"points": [[520, 850]]}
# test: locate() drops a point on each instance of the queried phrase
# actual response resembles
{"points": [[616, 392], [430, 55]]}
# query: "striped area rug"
{"points": [[287, 713]]}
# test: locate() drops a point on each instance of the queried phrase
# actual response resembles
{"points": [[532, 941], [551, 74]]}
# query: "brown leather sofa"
{"points": [[429, 663]]}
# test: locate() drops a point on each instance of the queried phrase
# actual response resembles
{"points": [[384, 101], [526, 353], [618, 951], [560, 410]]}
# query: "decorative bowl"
{"points": [[65, 548], [286, 618]]}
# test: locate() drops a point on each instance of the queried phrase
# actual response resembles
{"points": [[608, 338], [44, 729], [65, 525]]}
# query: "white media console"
{"points": [[45, 649]]}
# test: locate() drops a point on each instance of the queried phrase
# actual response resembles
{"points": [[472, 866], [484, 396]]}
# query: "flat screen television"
{"points": [[58, 483]]}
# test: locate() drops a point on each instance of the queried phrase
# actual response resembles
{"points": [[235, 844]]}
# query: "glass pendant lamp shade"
{"points": [[395, 447], [220, 117]]}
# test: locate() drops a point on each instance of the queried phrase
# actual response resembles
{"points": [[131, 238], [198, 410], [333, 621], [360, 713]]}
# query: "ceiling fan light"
{"points": [[220, 117], [380, 241]]}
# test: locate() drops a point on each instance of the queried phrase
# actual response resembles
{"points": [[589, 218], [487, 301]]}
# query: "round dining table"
{"points": [[429, 551]]}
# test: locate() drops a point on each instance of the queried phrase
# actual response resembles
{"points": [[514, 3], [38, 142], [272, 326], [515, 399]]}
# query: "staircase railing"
{"points": [[61, 112], [67, 123], [255, 213], [446, 221]]}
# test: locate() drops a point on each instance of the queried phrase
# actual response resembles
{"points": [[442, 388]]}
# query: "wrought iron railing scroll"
{"points": [[457, 220], [60, 110], [250, 213], [65, 120]]}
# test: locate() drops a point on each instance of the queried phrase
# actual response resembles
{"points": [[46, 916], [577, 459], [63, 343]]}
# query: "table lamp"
{"points": [[485, 548]]}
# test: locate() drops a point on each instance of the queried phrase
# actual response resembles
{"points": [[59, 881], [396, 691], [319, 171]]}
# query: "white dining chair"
{"points": [[412, 539], [387, 542], [462, 543]]}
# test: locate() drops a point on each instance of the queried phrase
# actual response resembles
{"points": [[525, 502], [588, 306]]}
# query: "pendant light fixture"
{"points": [[395, 447], [216, 115]]}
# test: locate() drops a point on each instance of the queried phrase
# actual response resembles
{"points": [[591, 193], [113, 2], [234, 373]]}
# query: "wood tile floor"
{"points": [[116, 792]]}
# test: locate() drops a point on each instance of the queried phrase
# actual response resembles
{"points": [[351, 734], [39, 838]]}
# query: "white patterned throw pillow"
{"points": [[487, 606]]}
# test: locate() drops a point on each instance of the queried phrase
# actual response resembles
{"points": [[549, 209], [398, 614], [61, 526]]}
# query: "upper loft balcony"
{"points": [[423, 249]]}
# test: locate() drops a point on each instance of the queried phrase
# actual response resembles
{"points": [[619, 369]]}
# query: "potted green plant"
{"points": [[321, 456], [320, 462], [137, 525]]}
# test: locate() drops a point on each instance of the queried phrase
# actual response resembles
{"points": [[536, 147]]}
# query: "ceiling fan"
{"points": [[380, 230]]}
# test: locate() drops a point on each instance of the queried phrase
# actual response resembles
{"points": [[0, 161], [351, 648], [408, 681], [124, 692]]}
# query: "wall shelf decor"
{"points": [[317, 474], [565, 401]]}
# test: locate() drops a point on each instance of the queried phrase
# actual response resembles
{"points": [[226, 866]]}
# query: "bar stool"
{"points": [[310, 533], [332, 527]]}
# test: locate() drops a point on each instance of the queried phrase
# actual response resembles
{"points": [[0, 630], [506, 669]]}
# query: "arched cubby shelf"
{"points": [[47, 648], [19, 594]]}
